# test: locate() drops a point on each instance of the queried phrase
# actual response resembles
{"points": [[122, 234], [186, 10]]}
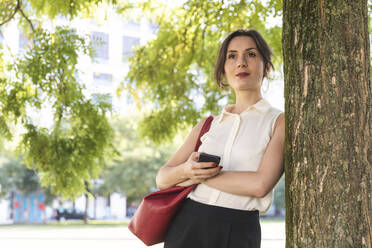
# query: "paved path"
{"points": [[101, 237]]}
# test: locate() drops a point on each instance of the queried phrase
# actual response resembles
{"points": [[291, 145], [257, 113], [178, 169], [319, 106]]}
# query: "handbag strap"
{"points": [[205, 128]]}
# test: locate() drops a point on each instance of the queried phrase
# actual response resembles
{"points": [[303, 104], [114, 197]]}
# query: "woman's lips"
{"points": [[242, 74]]}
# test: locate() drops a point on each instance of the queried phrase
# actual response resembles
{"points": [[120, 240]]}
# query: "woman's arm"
{"points": [[262, 181], [183, 165]]}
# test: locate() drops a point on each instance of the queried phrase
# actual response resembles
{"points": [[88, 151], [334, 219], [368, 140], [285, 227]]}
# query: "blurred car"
{"points": [[131, 210], [68, 214]]}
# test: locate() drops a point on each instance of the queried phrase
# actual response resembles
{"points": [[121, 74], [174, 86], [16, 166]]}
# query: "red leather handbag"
{"points": [[154, 215]]}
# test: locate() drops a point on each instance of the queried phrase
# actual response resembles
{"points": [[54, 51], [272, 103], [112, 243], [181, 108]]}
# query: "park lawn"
{"points": [[103, 223]]}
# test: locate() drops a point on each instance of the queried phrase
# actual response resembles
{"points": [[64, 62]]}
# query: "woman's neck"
{"points": [[244, 100]]}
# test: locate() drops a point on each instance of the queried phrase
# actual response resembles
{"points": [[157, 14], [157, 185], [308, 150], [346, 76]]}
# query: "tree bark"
{"points": [[328, 125], [86, 208], [86, 202]]}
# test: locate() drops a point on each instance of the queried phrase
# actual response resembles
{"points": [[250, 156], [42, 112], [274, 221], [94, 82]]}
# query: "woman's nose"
{"points": [[242, 62]]}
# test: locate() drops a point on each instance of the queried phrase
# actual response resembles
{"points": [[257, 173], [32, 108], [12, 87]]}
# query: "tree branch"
{"points": [[27, 19], [18, 7], [71, 3]]}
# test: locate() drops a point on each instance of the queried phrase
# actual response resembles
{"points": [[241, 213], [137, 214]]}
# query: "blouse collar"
{"points": [[261, 107]]}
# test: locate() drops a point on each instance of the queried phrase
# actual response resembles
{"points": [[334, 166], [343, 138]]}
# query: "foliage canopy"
{"points": [[71, 149], [134, 172], [174, 72]]}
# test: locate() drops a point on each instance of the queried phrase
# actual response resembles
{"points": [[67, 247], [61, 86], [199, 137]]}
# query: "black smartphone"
{"points": [[205, 157]]}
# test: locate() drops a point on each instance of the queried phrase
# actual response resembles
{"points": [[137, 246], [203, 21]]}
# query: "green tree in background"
{"points": [[15, 176], [170, 70], [133, 173], [71, 150]]}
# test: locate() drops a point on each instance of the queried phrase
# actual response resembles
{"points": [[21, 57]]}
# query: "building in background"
{"points": [[114, 42]]}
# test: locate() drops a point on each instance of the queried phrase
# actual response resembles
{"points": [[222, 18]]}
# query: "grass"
{"points": [[272, 219], [103, 223], [70, 224]]}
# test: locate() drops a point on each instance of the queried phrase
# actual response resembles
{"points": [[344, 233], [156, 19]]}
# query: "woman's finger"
{"points": [[207, 172], [205, 165]]}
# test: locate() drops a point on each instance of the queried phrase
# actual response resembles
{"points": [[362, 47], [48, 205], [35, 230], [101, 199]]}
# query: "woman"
{"points": [[223, 210]]}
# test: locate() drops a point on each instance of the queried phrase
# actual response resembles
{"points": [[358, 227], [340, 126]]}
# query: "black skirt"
{"points": [[198, 225]]}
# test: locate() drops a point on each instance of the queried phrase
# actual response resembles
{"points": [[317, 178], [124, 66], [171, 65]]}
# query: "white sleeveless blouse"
{"points": [[240, 140]]}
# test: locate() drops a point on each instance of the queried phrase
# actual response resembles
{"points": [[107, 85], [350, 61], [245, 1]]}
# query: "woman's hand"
{"points": [[197, 172]]}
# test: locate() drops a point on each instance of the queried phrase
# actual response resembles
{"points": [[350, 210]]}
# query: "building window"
{"points": [[102, 88], [128, 44], [102, 80], [101, 46]]}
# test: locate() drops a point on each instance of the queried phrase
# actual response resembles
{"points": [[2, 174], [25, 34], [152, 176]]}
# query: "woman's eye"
{"points": [[251, 54], [231, 56]]}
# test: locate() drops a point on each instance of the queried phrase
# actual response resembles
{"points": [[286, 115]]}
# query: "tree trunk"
{"points": [[328, 124], [86, 208], [86, 202], [95, 206]]}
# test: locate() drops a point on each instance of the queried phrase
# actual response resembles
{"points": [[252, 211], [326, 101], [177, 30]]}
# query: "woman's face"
{"points": [[244, 66]]}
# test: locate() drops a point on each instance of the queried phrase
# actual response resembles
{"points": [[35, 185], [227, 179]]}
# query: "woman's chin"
{"points": [[247, 87]]}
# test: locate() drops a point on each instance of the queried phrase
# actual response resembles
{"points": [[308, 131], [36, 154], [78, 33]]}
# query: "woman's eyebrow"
{"points": [[235, 51]]}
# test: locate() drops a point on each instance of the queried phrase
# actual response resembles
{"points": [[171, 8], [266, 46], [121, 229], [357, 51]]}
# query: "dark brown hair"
{"points": [[262, 47]]}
